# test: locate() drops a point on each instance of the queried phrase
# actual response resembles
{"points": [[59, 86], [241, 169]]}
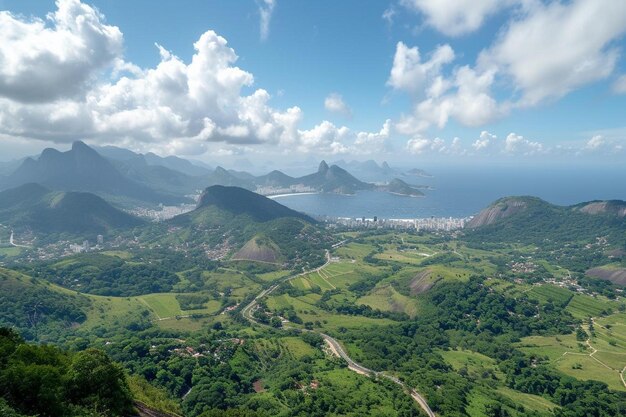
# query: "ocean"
{"points": [[462, 192]]}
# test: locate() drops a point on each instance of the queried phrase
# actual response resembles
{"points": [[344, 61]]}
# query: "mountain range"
{"points": [[83, 169], [132, 179]]}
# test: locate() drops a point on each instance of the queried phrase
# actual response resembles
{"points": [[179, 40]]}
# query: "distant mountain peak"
{"points": [[323, 168], [80, 145], [46, 153]]}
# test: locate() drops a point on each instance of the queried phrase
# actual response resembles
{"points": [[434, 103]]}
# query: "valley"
{"points": [[239, 304], [368, 287], [271, 208]]}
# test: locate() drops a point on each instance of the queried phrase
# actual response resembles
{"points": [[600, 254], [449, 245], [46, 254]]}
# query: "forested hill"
{"points": [[535, 221], [229, 217], [48, 382], [34, 207], [239, 201]]}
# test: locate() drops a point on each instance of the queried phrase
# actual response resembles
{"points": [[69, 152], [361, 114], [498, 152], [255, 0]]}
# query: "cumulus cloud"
{"points": [[42, 61], [334, 103], [485, 141], [420, 145], [545, 51], [517, 144], [326, 138], [466, 97], [552, 49], [595, 142], [409, 73], [176, 107], [266, 9], [373, 142], [456, 17]]}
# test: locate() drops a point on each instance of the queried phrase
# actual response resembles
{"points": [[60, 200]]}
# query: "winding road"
{"points": [[15, 244], [335, 346]]}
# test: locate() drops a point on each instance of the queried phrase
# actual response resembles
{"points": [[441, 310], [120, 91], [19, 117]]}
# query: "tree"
{"points": [[93, 379]]}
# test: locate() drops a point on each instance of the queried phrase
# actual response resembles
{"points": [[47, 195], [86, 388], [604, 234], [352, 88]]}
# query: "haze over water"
{"points": [[461, 192]]}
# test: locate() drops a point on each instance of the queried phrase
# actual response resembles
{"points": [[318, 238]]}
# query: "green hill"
{"points": [[238, 201], [38, 310], [232, 216], [397, 186], [531, 220], [33, 207]]}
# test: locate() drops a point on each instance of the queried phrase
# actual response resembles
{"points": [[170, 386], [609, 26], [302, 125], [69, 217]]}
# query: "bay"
{"points": [[462, 192]]}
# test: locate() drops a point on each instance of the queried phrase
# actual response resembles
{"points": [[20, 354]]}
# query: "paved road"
{"points": [[15, 244], [336, 346]]}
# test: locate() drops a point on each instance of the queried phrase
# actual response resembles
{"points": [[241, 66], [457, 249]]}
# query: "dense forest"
{"points": [[49, 382]]}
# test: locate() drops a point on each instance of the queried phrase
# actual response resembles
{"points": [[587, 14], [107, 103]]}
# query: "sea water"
{"points": [[462, 192]]}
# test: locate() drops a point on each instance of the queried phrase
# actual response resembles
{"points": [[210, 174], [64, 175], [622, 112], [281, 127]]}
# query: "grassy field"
{"points": [[163, 305], [227, 279], [472, 361], [355, 251], [583, 306], [309, 312], [586, 367], [273, 276], [575, 358], [297, 347], [386, 298], [545, 293], [10, 251], [528, 401]]}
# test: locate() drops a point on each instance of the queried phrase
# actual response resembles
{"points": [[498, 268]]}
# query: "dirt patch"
{"points": [[616, 276], [497, 212], [254, 250], [616, 208], [422, 282], [258, 386]]}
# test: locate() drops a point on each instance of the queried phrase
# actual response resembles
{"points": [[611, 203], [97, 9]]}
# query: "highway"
{"points": [[335, 346]]}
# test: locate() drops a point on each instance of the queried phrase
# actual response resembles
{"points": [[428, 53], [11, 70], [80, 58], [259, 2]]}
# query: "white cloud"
{"points": [[456, 17], [545, 51], [266, 9], [599, 144], [516, 144], [326, 138], [465, 95], [552, 49], [373, 142], [595, 142], [334, 103], [409, 73], [485, 141], [420, 145], [175, 107], [619, 86], [42, 63], [389, 14]]}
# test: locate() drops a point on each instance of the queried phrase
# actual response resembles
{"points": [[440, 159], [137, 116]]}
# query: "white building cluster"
{"points": [[428, 224]]}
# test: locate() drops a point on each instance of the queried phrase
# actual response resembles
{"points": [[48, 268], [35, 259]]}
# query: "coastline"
{"points": [[290, 194]]}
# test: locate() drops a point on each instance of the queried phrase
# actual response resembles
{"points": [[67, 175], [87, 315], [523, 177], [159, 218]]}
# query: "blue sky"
{"points": [[512, 80]]}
